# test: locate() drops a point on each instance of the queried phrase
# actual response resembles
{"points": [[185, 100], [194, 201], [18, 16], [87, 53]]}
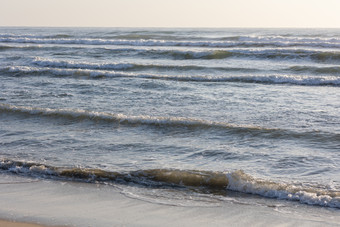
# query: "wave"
{"points": [[182, 122], [171, 35], [2, 48], [213, 54], [127, 66], [264, 79], [33, 36], [236, 181], [34, 47], [182, 55], [293, 39], [128, 120], [335, 70], [255, 42], [326, 56], [216, 54], [148, 35], [210, 54], [149, 53], [83, 65]]}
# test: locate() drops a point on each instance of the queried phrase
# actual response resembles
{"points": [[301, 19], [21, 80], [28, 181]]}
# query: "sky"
{"points": [[171, 13]]}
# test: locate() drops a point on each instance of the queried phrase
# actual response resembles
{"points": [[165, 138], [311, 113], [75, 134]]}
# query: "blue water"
{"points": [[247, 110]]}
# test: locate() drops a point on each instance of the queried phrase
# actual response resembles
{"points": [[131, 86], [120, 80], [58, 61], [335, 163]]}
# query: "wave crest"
{"points": [[241, 42], [125, 119], [264, 79], [67, 64], [160, 121]]}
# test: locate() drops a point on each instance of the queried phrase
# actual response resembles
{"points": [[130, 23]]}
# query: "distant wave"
{"points": [[264, 79], [57, 49], [263, 53], [236, 181], [6, 47], [248, 42], [171, 35], [82, 65], [212, 54], [293, 39], [128, 120], [160, 121], [127, 66], [205, 54], [55, 36], [335, 70]]}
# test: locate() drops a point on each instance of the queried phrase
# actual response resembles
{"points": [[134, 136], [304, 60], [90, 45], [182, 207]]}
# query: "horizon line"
{"points": [[164, 27]]}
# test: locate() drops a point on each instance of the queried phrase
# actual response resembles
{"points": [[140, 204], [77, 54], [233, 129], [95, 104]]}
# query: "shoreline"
{"points": [[7, 223], [48, 203]]}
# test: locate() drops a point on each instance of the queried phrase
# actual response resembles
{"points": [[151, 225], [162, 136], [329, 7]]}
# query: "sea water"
{"points": [[175, 116]]}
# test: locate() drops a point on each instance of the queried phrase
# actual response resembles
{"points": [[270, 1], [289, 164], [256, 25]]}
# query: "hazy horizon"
{"points": [[171, 14], [164, 27]]}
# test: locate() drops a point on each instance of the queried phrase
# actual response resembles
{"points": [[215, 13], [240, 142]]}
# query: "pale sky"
{"points": [[171, 13]]}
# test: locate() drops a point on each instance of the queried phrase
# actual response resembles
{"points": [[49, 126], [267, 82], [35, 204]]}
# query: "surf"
{"points": [[173, 178]]}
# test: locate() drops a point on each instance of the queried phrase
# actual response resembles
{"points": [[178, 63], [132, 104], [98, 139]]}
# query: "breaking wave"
{"points": [[333, 70], [164, 178], [160, 121], [54, 36], [241, 41], [83, 65], [127, 66], [125, 119], [264, 79], [131, 66], [204, 54]]}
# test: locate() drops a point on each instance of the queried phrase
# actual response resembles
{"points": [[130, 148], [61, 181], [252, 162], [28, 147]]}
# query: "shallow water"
{"points": [[203, 111]]}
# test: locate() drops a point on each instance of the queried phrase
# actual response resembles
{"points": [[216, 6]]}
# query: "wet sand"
{"points": [[59, 203], [5, 223]]}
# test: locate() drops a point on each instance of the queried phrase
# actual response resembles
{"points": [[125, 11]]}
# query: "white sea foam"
{"points": [[242, 182], [86, 65]]}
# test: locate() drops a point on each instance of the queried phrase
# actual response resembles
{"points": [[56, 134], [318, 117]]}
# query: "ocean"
{"points": [[179, 117]]}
